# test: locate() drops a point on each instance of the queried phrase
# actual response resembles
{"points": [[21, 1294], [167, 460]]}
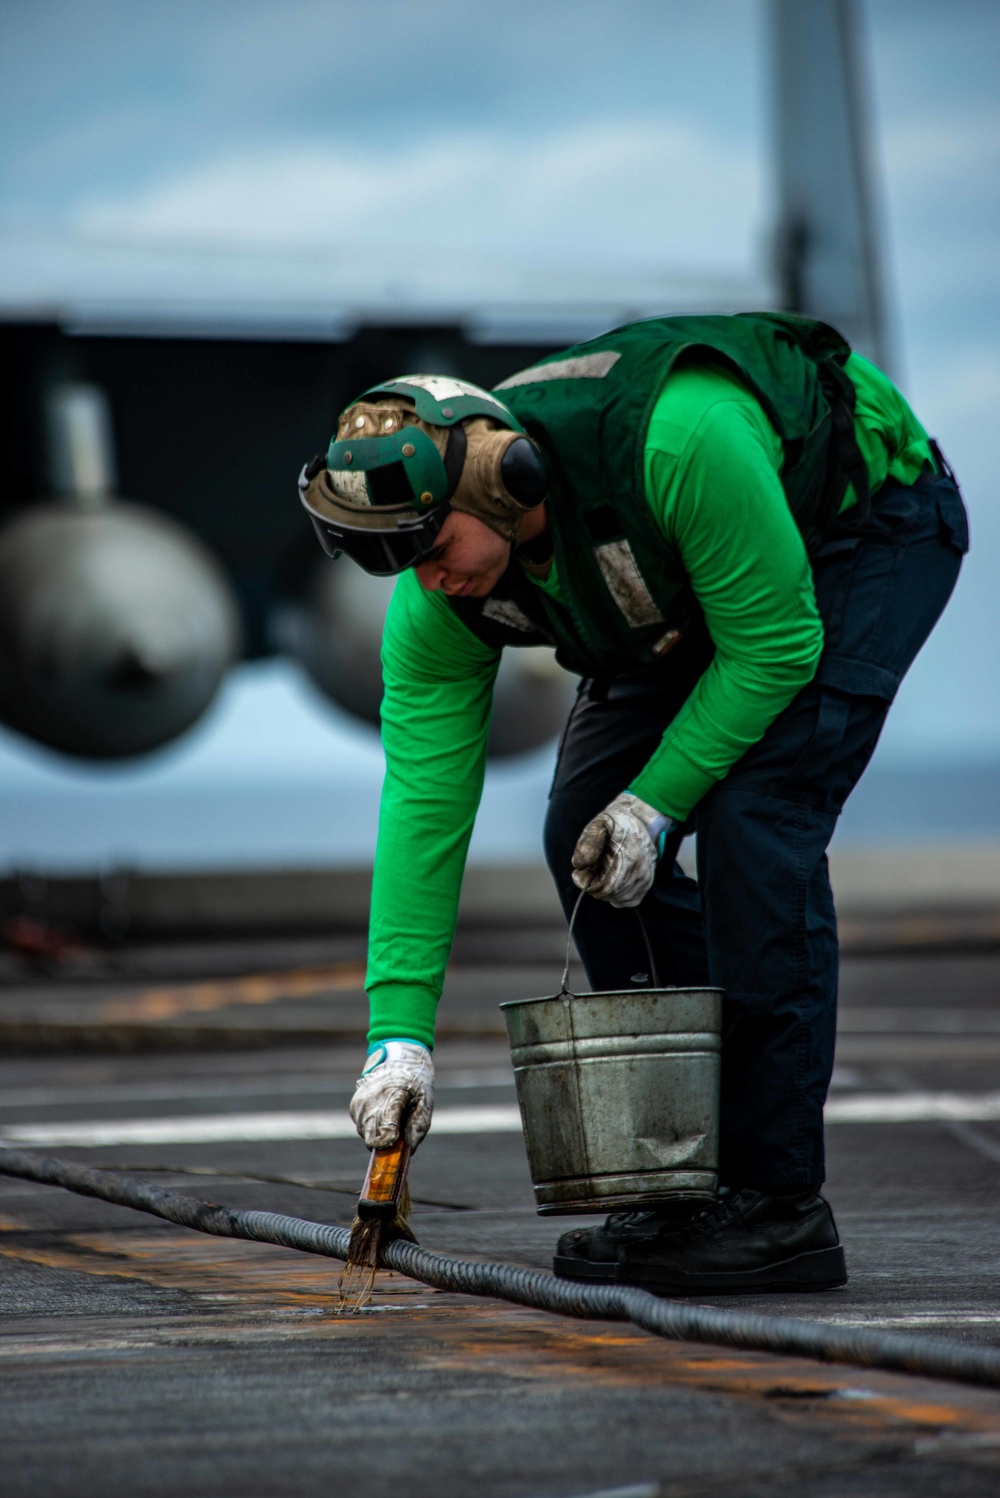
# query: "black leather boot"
{"points": [[744, 1244], [592, 1253]]}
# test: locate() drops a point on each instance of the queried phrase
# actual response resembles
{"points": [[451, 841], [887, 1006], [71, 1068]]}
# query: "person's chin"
{"points": [[476, 586]]}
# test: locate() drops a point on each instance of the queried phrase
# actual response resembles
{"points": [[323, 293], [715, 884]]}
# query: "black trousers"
{"points": [[760, 922]]}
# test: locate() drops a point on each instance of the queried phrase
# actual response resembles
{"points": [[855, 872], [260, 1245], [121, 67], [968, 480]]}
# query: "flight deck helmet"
{"points": [[407, 453]]}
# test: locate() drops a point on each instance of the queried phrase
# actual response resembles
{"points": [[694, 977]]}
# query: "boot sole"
{"points": [[823, 1269], [596, 1273]]}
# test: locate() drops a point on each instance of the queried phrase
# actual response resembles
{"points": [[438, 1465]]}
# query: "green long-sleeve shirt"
{"points": [[712, 465]]}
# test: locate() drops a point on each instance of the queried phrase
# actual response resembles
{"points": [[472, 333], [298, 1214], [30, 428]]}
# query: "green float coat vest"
{"points": [[627, 599]]}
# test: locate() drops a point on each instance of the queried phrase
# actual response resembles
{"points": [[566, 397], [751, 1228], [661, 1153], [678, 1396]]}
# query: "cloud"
{"points": [[928, 151], [641, 191]]}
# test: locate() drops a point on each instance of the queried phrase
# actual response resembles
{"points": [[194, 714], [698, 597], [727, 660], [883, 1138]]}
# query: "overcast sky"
{"points": [[281, 148]]}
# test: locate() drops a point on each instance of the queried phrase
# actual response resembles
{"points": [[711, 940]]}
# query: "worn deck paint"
{"points": [[143, 1358], [256, 1289]]}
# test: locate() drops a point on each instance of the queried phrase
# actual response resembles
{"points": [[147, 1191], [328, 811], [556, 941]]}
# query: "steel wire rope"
{"points": [[893, 1352]]}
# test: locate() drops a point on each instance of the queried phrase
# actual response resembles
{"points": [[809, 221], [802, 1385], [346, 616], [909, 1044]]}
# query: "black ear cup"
{"points": [[524, 469]]}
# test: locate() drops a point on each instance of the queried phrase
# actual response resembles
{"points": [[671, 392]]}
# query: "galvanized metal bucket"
{"points": [[619, 1094]]}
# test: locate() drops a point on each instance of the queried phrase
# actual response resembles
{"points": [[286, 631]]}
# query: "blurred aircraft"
{"points": [[116, 623], [119, 617]]}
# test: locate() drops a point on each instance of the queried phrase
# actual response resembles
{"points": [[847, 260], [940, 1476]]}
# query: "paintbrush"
{"points": [[382, 1216]]}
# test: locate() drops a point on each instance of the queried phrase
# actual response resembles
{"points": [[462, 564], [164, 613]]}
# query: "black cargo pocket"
{"points": [[852, 699], [811, 769], [954, 520]]}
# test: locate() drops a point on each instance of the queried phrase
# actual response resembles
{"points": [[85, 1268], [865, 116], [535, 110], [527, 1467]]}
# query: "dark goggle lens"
{"points": [[382, 553]]}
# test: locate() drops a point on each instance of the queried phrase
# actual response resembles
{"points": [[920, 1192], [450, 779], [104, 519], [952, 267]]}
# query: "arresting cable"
{"points": [[863, 1347]]}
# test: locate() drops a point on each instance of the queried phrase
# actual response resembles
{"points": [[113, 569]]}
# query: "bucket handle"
{"points": [[564, 990]]}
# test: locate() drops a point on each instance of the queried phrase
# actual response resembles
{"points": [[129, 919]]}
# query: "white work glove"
{"points": [[616, 854], [394, 1094]]}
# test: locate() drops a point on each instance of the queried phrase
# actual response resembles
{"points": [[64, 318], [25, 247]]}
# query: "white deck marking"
{"points": [[233, 1128], [914, 1107], [225, 1128]]}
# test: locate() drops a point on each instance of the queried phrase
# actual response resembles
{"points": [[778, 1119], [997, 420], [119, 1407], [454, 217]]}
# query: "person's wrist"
{"points": [[658, 824], [400, 1039], [659, 830], [391, 1052]]}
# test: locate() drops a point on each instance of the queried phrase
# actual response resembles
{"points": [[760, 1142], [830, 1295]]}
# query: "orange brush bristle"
{"points": [[382, 1215]]}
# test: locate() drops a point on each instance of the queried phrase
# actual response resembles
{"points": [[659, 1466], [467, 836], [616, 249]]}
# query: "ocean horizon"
{"points": [[277, 777]]}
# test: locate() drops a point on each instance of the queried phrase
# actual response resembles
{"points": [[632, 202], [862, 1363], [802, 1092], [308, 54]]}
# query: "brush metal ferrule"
{"points": [[380, 1195]]}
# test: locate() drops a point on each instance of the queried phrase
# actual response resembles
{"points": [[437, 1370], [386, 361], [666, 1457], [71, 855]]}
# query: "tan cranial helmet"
{"points": [[405, 455]]}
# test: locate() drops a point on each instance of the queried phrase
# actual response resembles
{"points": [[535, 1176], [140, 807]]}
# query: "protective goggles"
{"points": [[401, 540]]}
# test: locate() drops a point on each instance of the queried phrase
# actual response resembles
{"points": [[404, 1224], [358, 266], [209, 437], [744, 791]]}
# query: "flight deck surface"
{"points": [[143, 1358]]}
